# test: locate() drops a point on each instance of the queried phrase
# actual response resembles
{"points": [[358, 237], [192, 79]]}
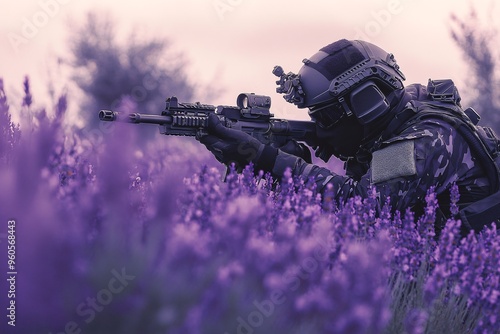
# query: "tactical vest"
{"points": [[444, 104]]}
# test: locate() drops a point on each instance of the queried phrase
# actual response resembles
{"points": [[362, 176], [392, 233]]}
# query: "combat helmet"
{"points": [[345, 78]]}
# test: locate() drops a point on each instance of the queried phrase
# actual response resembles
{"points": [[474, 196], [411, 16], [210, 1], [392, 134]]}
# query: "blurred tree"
{"points": [[478, 46], [137, 75]]}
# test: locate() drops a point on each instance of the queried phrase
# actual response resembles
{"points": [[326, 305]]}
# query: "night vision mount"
{"points": [[289, 85]]}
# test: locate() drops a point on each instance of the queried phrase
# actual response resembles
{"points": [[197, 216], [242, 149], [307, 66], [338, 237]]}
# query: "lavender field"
{"points": [[113, 239]]}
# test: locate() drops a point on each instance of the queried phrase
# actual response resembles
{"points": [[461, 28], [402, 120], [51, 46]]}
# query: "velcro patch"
{"points": [[393, 161]]}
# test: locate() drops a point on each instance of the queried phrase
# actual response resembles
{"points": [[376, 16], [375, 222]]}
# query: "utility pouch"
{"points": [[444, 104]]}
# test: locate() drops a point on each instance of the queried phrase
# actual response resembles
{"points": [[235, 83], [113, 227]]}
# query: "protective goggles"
{"points": [[328, 115]]}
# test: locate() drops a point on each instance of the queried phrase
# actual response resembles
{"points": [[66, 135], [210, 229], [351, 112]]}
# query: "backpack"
{"points": [[444, 104]]}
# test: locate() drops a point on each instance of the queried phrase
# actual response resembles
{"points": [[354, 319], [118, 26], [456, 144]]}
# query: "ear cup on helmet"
{"points": [[368, 102]]}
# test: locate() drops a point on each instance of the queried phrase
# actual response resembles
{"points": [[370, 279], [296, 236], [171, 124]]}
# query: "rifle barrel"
{"points": [[111, 116], [147, 118]]}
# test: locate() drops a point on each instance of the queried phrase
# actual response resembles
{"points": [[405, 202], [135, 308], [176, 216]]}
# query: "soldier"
{"points": [[402, 140]]}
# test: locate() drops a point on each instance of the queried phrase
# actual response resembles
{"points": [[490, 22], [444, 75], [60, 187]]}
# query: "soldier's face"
{"points": [[344, 137]]}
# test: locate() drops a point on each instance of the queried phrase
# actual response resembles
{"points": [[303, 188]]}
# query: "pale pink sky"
{"points": [[239, 41]]}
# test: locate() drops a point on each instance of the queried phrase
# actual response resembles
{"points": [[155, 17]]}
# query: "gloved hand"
{"points": [[235, 146], [298, 149]]}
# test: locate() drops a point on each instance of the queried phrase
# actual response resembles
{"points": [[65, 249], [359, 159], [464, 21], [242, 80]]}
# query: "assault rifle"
{"points": [[251, 115]]}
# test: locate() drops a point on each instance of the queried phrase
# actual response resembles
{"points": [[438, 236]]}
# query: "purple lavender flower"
{"points": [[425, 224], [415, 322], [454, 198], [359, 292], [10, 134], [445, 267], [205, 256]]}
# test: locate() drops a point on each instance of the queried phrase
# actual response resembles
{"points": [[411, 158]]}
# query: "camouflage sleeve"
{"points": [[441, 156], [431, 153]]}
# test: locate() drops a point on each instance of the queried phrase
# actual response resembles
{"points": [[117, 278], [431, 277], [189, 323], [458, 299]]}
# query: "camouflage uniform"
{"points": [[400, 140], [404, 165]]}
